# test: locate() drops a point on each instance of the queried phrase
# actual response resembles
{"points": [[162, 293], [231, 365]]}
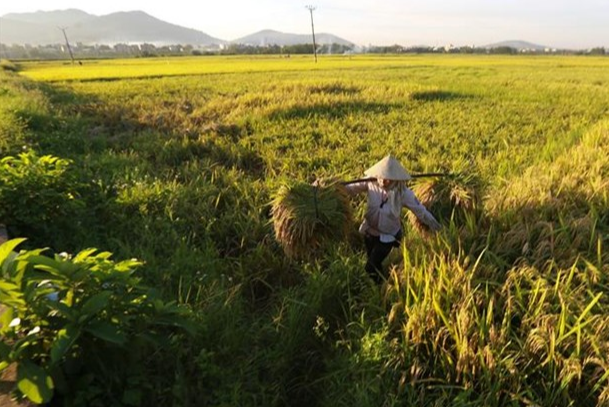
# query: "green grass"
{"points": [[177, 159]]}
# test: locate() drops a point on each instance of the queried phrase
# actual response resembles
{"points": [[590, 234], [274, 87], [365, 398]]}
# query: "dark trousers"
{"points": [[377, 251]]}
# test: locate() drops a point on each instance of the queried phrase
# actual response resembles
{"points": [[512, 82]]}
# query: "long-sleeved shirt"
{"points": [[383, 214]]}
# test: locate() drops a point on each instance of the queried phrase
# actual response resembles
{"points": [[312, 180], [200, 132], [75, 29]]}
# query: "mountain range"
{"points": [[132, 27], [268, 37], [519, 45], [46, 27]]}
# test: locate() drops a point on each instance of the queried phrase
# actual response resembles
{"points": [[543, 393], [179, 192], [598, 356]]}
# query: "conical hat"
{"points": [[388, 168]]}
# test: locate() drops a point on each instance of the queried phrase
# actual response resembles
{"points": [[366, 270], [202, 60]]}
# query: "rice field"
{"points": [[176, 162]]}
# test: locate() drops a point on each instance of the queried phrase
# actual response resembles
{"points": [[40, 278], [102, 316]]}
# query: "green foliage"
{"points": [[598, 51], [39, 196], [7, 65], [12, 129], [503, 50], [81, 329]]}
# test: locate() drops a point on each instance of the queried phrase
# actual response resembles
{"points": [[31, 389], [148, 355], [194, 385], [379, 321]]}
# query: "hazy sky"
{"points": [[554, 23]]}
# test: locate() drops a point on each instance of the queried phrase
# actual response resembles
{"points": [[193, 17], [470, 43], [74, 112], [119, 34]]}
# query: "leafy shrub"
{"points": [[39, 197], [80, 329], [7, 65]]}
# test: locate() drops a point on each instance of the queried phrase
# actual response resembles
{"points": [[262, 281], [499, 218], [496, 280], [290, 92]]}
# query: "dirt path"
{"points": [[7, 383]]}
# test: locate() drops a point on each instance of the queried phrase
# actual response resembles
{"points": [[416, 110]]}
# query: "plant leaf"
{"points": [[5, 351], [178, 322], [132, 397], [96, 303], [5, 320], [84, 254], [34, 382], [107, 331], [46, 264], [8, 247], [63, 342]]}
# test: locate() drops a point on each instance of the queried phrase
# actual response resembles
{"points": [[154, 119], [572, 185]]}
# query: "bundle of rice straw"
{"points": [[445, 198], [305, 216]]}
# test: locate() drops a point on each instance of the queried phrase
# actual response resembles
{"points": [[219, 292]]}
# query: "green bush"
{"points": [[7, 65], [80, 329], [39, 197]]}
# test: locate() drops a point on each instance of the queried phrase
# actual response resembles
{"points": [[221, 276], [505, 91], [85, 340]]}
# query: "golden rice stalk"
{"points": [[442, 196], [306, 217]]}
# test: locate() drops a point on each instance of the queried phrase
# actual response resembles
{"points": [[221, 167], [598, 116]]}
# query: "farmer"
{"points": [[382, 226]]}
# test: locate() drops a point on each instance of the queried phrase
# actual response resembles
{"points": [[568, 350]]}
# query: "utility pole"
{"points": [[63, 29], [311, 8]]}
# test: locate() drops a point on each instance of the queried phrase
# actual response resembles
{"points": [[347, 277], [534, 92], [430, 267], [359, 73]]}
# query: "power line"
{"points": [[63, 29], [311, 8]]}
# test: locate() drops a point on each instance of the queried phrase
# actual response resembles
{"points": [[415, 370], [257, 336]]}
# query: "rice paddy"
{"points": [[189, 164]]}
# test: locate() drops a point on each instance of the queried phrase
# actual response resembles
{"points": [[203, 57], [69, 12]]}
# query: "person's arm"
{"points": [[357, 187], [410, 201]]}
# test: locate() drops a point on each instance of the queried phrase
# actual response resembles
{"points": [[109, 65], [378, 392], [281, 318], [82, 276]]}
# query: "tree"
{"points": [[598, 51]]}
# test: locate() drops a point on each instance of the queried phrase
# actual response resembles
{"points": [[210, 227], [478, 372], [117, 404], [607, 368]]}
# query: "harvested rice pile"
{"points": [[305, 217], [445, 198]]}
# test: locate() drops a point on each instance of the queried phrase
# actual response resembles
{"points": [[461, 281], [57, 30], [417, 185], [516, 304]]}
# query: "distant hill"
{"points": [[23, 32], [517, 44], [271, 37], [137, 26], [54, 18], [41, 28]]}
